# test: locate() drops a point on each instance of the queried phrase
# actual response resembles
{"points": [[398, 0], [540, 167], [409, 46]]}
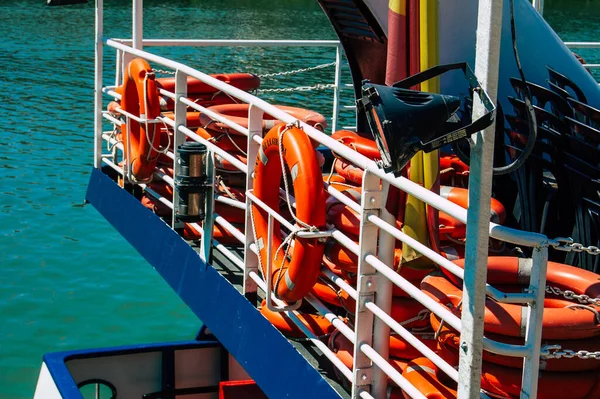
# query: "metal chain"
{"points": [[566, 244], [164, 72], [300, 88], [295, 71], [556, 352], [570, 295]]}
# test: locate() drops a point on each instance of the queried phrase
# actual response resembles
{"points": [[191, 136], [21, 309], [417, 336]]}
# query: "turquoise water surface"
{"points": [[68, 280]]}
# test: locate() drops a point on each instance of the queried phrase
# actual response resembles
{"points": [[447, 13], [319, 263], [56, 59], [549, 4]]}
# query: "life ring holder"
{"points": [[308, 246]]}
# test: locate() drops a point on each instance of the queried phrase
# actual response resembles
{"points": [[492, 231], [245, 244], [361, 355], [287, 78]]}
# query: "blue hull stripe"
{"points": [[260, 349]]}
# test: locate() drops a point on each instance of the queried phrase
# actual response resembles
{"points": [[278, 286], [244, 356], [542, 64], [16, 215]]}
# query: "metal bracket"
{"points": [[373, 200], [364, 376]]}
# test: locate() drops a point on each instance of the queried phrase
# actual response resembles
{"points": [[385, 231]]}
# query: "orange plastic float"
{"points": [[451, 339], [238, 113], [318, 325], [362, 145], [243, 81], [140, 98], [561, 319], [293, 276], [425, 376], [505, 382]]}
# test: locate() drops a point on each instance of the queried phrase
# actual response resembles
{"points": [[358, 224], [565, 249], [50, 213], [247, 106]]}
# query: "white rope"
{"points": [[158, 150]]}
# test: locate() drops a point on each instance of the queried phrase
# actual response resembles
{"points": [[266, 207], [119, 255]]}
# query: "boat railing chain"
{"points": [[296, 71], [566, 244], [570, 295], [299, 88], [163, 71], [556, 352]]}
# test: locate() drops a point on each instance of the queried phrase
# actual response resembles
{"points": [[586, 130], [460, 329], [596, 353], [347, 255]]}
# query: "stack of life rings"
{"points": [[566, 324]]}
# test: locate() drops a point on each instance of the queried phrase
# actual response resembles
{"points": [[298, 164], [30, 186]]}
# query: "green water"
{"points": [[68, 279]]}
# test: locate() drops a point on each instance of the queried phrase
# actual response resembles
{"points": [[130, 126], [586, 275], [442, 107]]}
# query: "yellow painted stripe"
{"points": [[424, 168], [398, 6]]}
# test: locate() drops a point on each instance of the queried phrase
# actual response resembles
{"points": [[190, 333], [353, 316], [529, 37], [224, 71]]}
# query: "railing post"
{"points": [[178, 137], [371, 203], [98, 84], [535, 313], [337, 89], [489, 26], [209, 219], [539, 6], [383, 297], [255, 121]]}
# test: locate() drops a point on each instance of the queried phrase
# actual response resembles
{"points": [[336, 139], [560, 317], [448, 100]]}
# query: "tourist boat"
{"points": [[327, 294]]}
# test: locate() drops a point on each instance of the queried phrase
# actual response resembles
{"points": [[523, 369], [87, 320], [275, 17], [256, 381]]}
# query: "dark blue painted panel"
{"points": [[57, 362], [263, 352]]}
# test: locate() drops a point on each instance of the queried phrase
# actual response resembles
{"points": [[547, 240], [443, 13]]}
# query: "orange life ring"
{"points": [[362, 145], [460, 196], [140, 98], [220, 234], [559, 320], [326, 293], [292, 278], [243, 81], [223, 165], [317, 324], [238, 113], [425, 376], [506, 381], [450, 338], [344, 350], [230, 143]]}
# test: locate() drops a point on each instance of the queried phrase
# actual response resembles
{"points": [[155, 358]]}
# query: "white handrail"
{"points": [[258, 106]]}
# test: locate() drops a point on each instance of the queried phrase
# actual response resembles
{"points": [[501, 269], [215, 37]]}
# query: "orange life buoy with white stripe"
{"points": [[460, 196], [140, 98], [362, 145], [238, 113], [293, 276], [562, 319], [425, 376], [451, 338], [318, 325], [505, 382]]}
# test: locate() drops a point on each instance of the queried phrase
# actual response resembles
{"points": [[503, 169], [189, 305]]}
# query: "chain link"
{"points": [[566, 244], [570, 295], [300, 88], [556, 352], [295, 71], [163, 71]]}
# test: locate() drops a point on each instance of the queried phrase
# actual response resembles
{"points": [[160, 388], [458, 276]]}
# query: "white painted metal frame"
{"points": [[373, 322]]}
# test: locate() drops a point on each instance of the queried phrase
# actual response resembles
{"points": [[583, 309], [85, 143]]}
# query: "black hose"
{"points": [[531, 118]]}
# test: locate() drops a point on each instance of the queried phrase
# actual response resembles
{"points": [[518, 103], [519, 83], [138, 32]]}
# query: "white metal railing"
{"points": [[373, 317], [370, 262]]}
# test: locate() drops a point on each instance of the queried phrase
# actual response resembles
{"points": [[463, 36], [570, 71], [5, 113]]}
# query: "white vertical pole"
{"points": [[371, 203], [336, 89], [178, 137], [98, 85], [383, 297], [489, 28], [138, 24], [535, 313], [539, 6], [255, 122]]}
